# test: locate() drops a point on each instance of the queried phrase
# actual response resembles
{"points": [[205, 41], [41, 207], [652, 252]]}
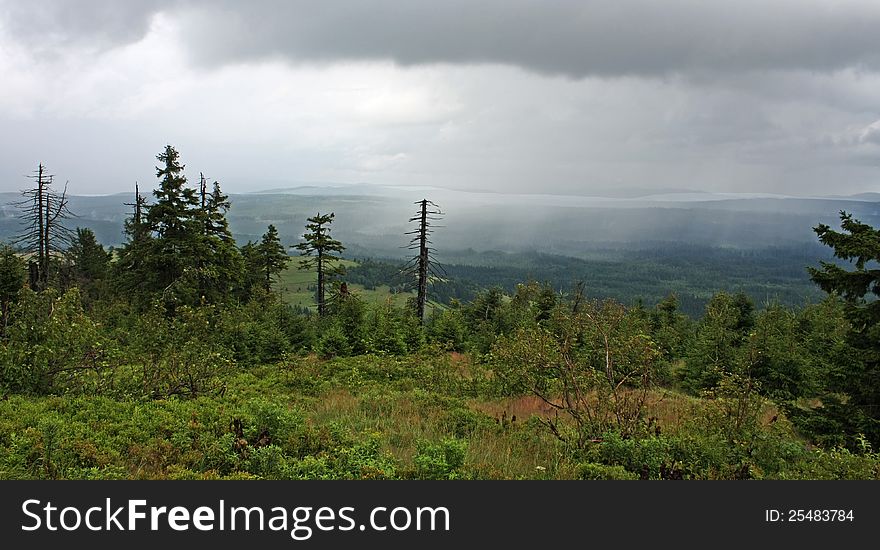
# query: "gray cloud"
{"points": [[603, 37], [48, 24], [871, 134], [577, 39]]}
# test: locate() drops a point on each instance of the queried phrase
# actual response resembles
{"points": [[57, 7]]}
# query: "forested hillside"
{"points": [[184, 353], [644, 275]]}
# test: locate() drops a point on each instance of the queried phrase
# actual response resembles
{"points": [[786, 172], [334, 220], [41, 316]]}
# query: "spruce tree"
{"points": [[720, 336], [271, 256], [852, 401], [90, 259], [90, 262], [174, 222], [219, 261], [320, 249], [215, 206]]}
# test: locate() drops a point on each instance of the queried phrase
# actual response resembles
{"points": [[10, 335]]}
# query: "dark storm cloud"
{"points": [[600, 37], [604, 37]]}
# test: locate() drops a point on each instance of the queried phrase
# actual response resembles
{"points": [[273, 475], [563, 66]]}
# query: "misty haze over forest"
{"points": [[374, 218]]}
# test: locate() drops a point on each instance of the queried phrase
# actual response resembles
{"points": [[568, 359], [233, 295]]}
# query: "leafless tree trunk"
{"points": [[423, 265], [42, 213]]}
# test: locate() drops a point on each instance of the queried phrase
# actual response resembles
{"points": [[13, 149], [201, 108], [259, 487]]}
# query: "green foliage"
{"points": [[855, 388], [130, 277], [12, 277], [333, 343], [594, 366], [777, 356], [219, 263], [91, 264], [733, 410], [173, 220], [177, 356], [672, 331], [463, 422], [720, 334], [395, 429], [188, 366], [447, 328], [442, 460], [838, 463], [181, 251], [50, 343], [81, 438], [485, 319], [263, 331], [387, 329], [347, 318], [591, 470]]}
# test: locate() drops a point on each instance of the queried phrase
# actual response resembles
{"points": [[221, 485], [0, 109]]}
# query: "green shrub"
{"points": [[447, 328], [442, 460], [333, 343], [834, 464], [591, 470], [50, 343], [463, 422], [268, 462], [363, 460]]}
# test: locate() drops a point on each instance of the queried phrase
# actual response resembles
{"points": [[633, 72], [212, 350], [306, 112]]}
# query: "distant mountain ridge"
{"points": [[373, 218]]}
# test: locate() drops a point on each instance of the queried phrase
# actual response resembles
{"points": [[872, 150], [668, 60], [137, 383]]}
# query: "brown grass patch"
{"points": [[337, 402], [668, 408]]}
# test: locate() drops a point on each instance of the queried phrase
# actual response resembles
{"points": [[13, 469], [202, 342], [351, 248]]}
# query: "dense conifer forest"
{"points": [[182, 354]]}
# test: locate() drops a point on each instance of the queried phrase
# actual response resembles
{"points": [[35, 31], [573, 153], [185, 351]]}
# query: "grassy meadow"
{"points": [[429, 416], [296, 287]]}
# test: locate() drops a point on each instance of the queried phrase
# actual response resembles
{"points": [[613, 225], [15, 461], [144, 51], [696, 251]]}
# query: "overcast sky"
{"points": [[778, 96]]}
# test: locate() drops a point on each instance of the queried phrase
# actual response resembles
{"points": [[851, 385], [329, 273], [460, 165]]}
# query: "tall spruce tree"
{"points": [[174, 221], [219, 262], [179, 246], [90, 259], [321, 251], [215, 205], [852, 401], [271, 257]]}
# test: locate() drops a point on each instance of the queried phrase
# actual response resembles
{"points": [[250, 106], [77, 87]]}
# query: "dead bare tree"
{"points": [[135, 225], [43, 213], [423, 265]]}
